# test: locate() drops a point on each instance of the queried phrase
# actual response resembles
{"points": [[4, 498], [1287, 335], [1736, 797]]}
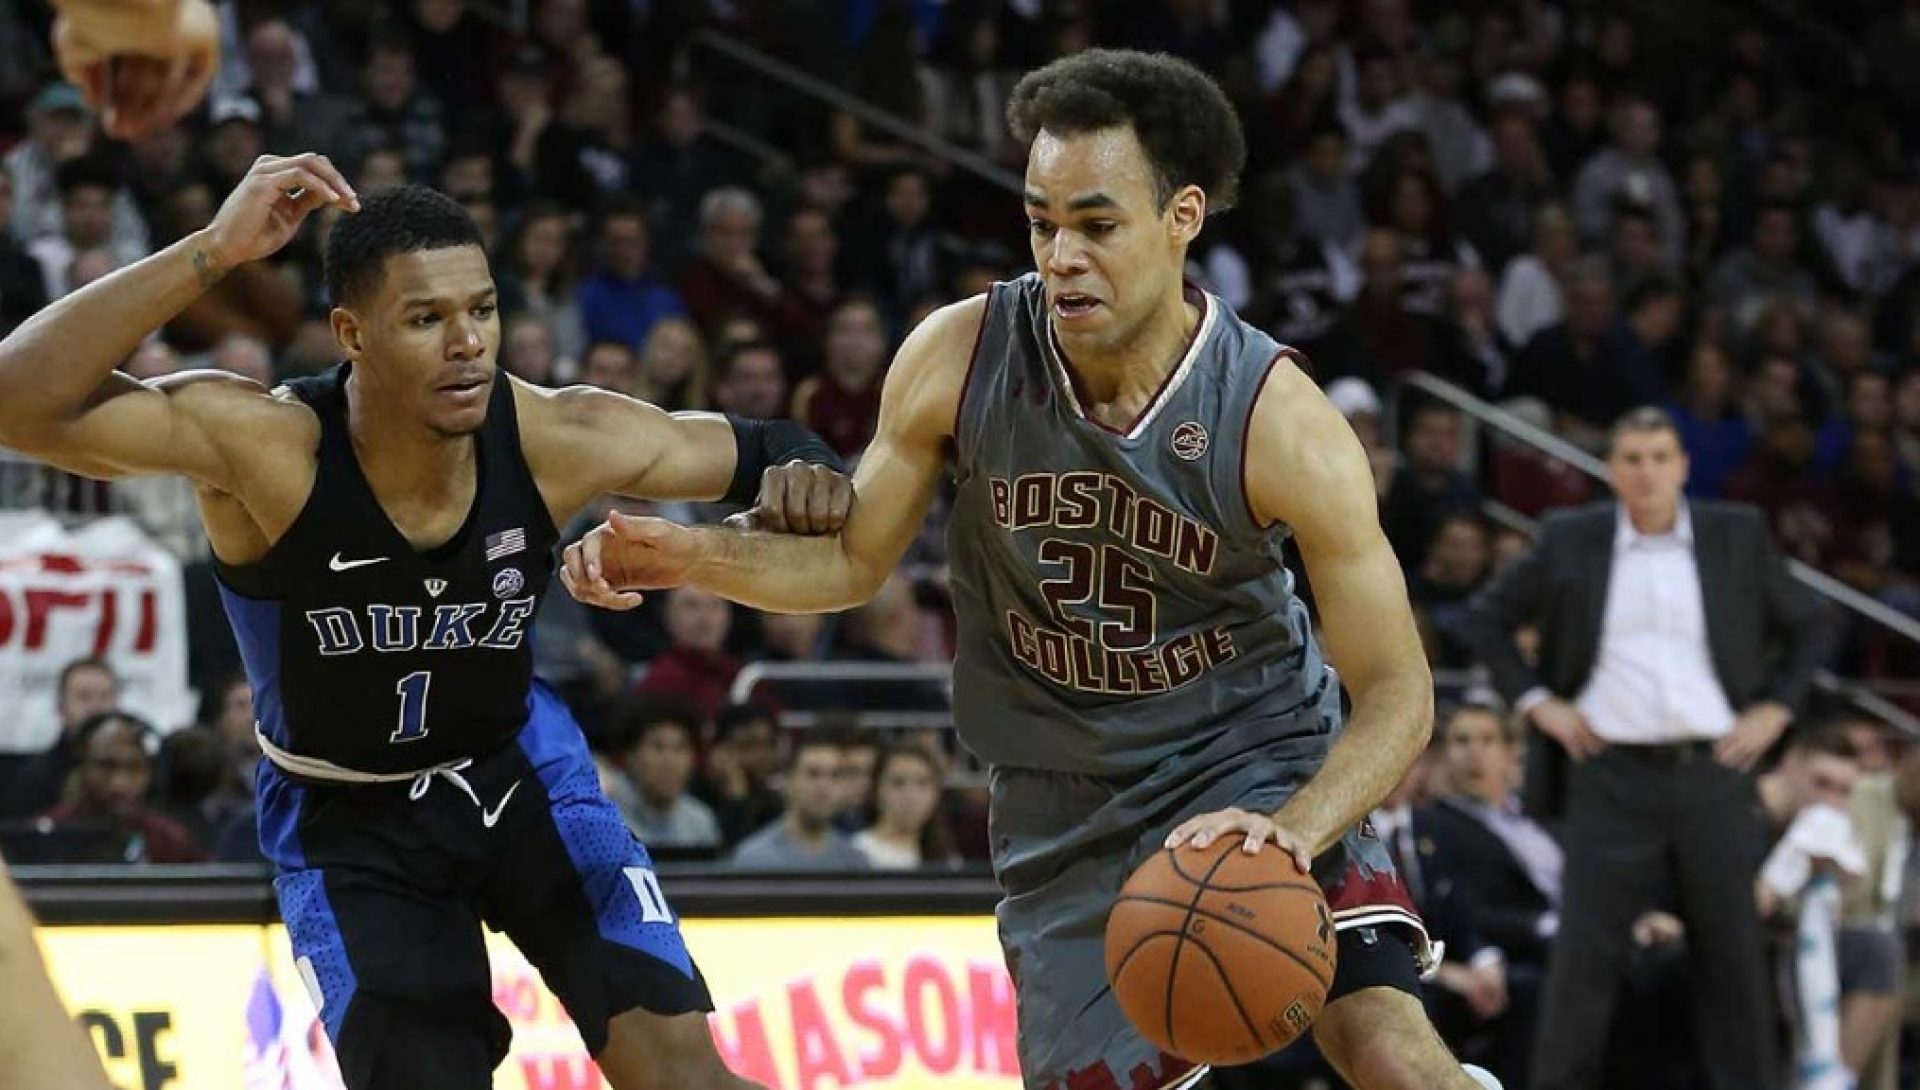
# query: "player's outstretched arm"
{"points": [[1305, 467], [588, 442], [787, 574], [62, 401]]}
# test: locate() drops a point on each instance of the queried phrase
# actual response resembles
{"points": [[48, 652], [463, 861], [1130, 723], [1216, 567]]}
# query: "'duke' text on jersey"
{"points": [[453, 626]]}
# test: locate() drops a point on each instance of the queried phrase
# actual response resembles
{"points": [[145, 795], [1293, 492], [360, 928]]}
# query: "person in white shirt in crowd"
{"points": [[908, 830], [88, 188], [1674, 648], [652, 738]]}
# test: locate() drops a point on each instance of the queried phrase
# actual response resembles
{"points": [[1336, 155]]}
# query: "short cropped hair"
{"points": [[1182, 119], [1646, 418], [403, 220]]}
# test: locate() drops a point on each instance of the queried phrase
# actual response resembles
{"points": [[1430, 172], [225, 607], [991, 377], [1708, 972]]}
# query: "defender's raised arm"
{"points": [[60, 398]]}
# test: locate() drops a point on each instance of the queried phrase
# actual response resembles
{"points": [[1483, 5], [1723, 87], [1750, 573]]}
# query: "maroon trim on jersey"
{"points": [[973, 357], [1166, 1072], [1181, 366], [1246, 431]]}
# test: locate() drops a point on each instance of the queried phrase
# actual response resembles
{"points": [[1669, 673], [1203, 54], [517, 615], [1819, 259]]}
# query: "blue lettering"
{"points": [[450, 626], [395, 628], [509, 628], [337, 630]]}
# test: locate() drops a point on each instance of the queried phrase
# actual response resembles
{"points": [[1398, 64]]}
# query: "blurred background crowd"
{"points": [[1565, 208]]}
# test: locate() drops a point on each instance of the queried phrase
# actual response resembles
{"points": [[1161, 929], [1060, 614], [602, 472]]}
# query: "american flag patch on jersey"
{"points": [[506, 543]]}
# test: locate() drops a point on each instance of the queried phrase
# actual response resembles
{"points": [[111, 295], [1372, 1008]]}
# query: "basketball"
{"points": [[1217, 956]]}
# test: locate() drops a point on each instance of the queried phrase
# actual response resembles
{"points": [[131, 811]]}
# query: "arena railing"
{"points": [[732, 49], [1837, 593]]}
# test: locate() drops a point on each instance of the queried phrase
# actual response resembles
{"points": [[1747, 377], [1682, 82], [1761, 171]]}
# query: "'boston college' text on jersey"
{"points": [[1118, 601]]}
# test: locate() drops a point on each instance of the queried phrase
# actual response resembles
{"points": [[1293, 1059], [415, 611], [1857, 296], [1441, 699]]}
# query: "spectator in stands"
{"points": [[1662, 691], [908, 830], [678, 166], [1707, 238], [1764, 271], [1868, 406], [673, 367], [1476, 355], [186, 776], [110, 784], [294, 119], [1326, 200], [1380, 106], [1457, 561], [87, 687], [903, 255], [526, 349], [394, 112], [726, 278], [696, 666], [1633, 248], [810, 287], [1906, 421], [804, 839], [859, 757], [739, 772], [1876, 541], [60, 129], [751, 381], [248, 357], [1778, 477], [1630, 166], [621, 300], [1563, 359], [538, 273], [1497, 209], [1506, 866], [23, 288], [653, 739], [842, 402], [1378, 337], [1532, 293], [609, 365], [1429, 485], [88, 189], [1716, 436], [584, 158], [1414, 207]]}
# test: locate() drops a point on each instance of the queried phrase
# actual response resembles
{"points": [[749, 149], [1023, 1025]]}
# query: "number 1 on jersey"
{"points": [[412, 690]]}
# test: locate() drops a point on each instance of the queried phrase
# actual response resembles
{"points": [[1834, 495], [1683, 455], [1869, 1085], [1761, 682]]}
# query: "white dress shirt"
{"points": [[1654, 681]]}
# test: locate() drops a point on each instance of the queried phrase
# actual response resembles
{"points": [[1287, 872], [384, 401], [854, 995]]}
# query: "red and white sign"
{"points": [[102, 589]]}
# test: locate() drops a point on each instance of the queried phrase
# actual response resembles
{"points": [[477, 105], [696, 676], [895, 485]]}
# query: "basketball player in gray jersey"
{"points": [[1132, 659]]}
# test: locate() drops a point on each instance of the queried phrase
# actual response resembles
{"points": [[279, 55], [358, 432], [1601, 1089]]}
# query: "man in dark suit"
{"points": [[1505, 868], [1674, 649]]}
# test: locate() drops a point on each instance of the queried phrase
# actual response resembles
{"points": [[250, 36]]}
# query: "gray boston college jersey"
{"points": [[1118, 602]]}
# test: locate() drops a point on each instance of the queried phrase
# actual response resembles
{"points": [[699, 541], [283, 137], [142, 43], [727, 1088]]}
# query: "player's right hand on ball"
{"points": [[626, 554], [265, 210]]}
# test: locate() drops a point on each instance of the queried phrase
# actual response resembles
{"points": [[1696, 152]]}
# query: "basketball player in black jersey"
{"points": [[383, 534]]}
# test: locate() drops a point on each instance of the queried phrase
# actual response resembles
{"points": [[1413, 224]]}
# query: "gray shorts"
{"points": [[1062, 846], [1870, 960]]}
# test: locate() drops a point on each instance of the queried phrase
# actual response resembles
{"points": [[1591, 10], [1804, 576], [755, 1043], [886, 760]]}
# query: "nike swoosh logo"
{"points": [[489, 818], [338, 564]]}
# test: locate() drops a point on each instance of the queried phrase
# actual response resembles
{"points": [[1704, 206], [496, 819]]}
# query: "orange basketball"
{"points": [[1220, 957]]}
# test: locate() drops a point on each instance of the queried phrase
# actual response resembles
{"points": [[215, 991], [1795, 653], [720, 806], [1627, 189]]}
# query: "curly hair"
{"points": [[1182, 119], [401, 220]]}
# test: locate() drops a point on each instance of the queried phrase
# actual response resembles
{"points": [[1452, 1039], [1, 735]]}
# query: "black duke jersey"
{"points": [[377, 657]]}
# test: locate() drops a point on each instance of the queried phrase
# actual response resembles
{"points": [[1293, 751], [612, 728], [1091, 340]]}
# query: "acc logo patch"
{"points": [[1189, 441], [508, 582]]}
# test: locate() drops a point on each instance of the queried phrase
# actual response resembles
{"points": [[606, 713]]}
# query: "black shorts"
{"points": [[384, 889]]}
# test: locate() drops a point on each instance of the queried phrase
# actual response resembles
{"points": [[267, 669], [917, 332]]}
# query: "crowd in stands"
{"points": [[1568, 208]]}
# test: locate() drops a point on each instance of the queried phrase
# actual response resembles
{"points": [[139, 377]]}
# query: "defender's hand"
{"points": [[1254, 829], [799, 498], [144, 64], [625, 554], [266, 209]]}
